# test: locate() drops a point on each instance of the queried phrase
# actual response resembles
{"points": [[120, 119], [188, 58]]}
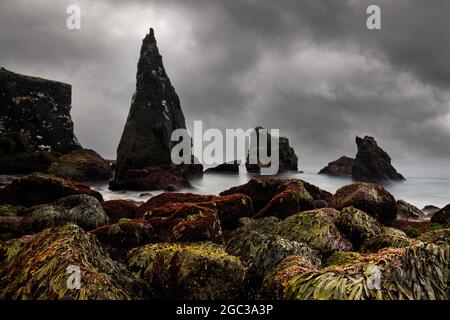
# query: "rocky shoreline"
{"points": [[266, 239]]}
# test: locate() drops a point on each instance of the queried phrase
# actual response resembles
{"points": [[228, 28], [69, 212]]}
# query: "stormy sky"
{"points": [[308, 67]]}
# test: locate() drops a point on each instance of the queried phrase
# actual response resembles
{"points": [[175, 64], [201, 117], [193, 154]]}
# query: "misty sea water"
{"points": [[426, 183]]}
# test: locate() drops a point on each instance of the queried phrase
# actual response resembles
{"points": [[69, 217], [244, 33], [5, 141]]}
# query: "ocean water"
{"points": [[427, 184]]}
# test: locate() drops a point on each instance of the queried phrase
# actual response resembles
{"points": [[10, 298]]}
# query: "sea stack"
{"points": [[372, 163], [154, 114]]}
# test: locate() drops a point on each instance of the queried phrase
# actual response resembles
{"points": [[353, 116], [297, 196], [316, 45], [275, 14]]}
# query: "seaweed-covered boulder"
{"points": [[357, 225], [372, 163], [262, 190], [170, 198], [39, 268], [317, 229], [187, 223], [339, 258], [229, 208], [41, 188], [272, 287], [436, 236], [82, 210], [10, 210], [121, 209], [261, 252], [81, 165], [341, 167], [389, 238], [408, 211], [442, 216], [292, 197], [201, 271], [418, 272], [368, 197], [264, 225], [10, 227]]}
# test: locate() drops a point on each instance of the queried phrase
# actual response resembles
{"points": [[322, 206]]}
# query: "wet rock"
{"points": [[389, 238], [170, 198], [291, 198], [36, 268], [266, 225], [82, 210], [342, 167], [357, 225], [154, 114], [430, 209], [201, 271], [18, 157], [262, 190], [408, 211], [121, 209], [288, 160], [442, 216], [391, 274], [273, 284], [10, 227], [10, 210], [228, 167], [372, 163], [41, 189], [317, 229], [261, 252], [319, 204], [81, 165], [169, 178], [370, 198], [45, 105]]}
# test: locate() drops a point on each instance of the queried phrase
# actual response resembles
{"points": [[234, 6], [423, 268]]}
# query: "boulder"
{"points": [[81, 165], [18, 157], [10, 227], [200, 271], [442, 216], [288, 160], [406, 210], [389, 238], [441, 236], [262, 252], [391, 274], [41, 188], [164, 177], [291, 198], [370, 198], [38, 268], [342, 167], [38, 109], [229, 208], [227, 167], [357, 225], [317, 229], [83, 210], [373, 164], [155, 113], [262, 190], [430, 209], [121, 209]]}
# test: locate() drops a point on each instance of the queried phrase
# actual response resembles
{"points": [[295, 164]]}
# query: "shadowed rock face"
{"points": [[154, 114], [39, 109], [372, 163], [342, 167]]}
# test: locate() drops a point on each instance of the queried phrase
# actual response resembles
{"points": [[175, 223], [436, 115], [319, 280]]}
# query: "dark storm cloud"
{"points": [[308, 67]]}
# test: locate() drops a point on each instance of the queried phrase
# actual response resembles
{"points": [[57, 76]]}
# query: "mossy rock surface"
{"points": [[357, 225], [317, 229], [200, 271], [418, 272], [368, 197], [261, 252], [35, 267]]}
